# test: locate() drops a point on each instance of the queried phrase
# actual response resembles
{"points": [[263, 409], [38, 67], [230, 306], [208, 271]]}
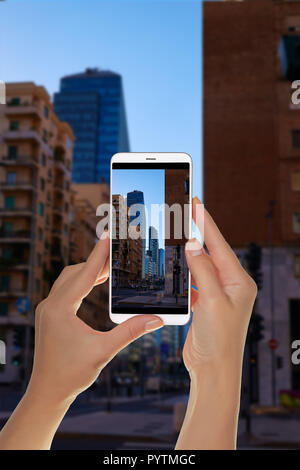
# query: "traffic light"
{"points": [[17, 359], [256, 327], [253, 258], [177, 269]]}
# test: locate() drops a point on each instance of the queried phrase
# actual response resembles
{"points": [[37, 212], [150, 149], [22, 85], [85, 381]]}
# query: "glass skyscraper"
{"points": [[92, 103]]}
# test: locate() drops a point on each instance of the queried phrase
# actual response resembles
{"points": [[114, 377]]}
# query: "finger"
{"points": [[81, 284], [202, 271], [65, 274], [102, 280], [70, 271], [131, 329], [105, 270], [220, 252]]}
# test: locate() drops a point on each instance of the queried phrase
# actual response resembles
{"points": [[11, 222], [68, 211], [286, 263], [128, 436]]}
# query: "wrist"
{"points": [[47, 398], [217, 377]]}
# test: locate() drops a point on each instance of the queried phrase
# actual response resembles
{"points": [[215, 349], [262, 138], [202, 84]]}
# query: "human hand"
{"points": [[222, 305], [69, 355]]}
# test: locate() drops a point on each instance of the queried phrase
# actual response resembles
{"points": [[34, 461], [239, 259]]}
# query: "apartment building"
{"points": [[252, 162], [35, 177]]}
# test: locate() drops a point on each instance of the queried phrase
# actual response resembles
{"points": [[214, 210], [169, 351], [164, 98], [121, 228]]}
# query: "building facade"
{"points": [[35, 175], [137, 198], [252, 161], [92, 102]]}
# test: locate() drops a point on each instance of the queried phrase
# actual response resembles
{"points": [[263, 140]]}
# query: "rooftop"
{"points": [[92, 72]]}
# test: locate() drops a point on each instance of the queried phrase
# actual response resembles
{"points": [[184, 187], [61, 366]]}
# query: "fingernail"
{"points": [[154, 324], [194, 247], [196, 200]]}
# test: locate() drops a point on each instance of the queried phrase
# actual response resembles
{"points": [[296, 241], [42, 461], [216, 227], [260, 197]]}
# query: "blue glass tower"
{"points": [[92, 103]]}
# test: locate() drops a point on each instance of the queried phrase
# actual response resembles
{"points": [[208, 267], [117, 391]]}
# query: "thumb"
{"points": [[131, 329], [202, 270]]}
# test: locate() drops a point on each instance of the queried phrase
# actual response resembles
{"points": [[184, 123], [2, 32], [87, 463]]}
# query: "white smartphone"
{"points": [[150, 222]]}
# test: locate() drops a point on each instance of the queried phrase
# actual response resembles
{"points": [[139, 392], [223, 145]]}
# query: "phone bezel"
{"points": [[153, 157]]}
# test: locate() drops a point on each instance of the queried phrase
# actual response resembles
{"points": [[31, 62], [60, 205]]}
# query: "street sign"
{"points": [[22, 304], [273, 343]]}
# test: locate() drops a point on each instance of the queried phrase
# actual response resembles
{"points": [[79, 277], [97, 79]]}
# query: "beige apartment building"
{"points": [[35, 198]]}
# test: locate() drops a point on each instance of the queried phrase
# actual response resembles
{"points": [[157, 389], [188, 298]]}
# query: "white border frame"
{"points": [[169, 319]]}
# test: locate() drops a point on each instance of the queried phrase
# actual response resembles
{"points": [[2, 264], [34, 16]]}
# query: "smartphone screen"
{"points": [[150, 226]]}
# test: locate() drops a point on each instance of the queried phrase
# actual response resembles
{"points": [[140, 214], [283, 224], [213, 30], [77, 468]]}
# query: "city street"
{"points": [[147, 298], [148, 423]]}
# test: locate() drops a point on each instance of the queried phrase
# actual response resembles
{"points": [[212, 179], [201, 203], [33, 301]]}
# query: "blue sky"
{"points": [[151, 183], [154, 44]]}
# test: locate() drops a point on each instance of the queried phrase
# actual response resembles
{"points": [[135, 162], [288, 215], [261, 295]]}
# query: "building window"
{"points": [[42, 184], [67, 185], [9, 202], [14, 126], [297, 266], [4, 283], [12, 152], [65, 229], [46, 112], [296, 138], [7, 253], [14, 102], [37, 285], [3, 309], [45, 136], [11, 177], [7, 227], [296, 181], [66, 207], [41, 208], [47, 220], [296, 222], [39, 259], [44, 160], [40, 233]]}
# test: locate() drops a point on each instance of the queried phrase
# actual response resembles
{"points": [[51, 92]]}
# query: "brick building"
{"points": [[252, 157], [176, 272]]}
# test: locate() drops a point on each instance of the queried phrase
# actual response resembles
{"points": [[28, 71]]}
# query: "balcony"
{"points": [[13, 211], [14, 264], [59, 187], [20, 236], [12, 292], [22, 109], [57, 210], [57, 232], [22, 160], [18, 185], [28, 134]]}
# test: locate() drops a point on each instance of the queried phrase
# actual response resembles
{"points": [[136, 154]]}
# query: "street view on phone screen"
{"points": [[149, 271]]}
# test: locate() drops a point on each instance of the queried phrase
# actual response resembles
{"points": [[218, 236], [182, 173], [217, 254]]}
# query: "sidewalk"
{"points": [[268, 431], [120, 426]]}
